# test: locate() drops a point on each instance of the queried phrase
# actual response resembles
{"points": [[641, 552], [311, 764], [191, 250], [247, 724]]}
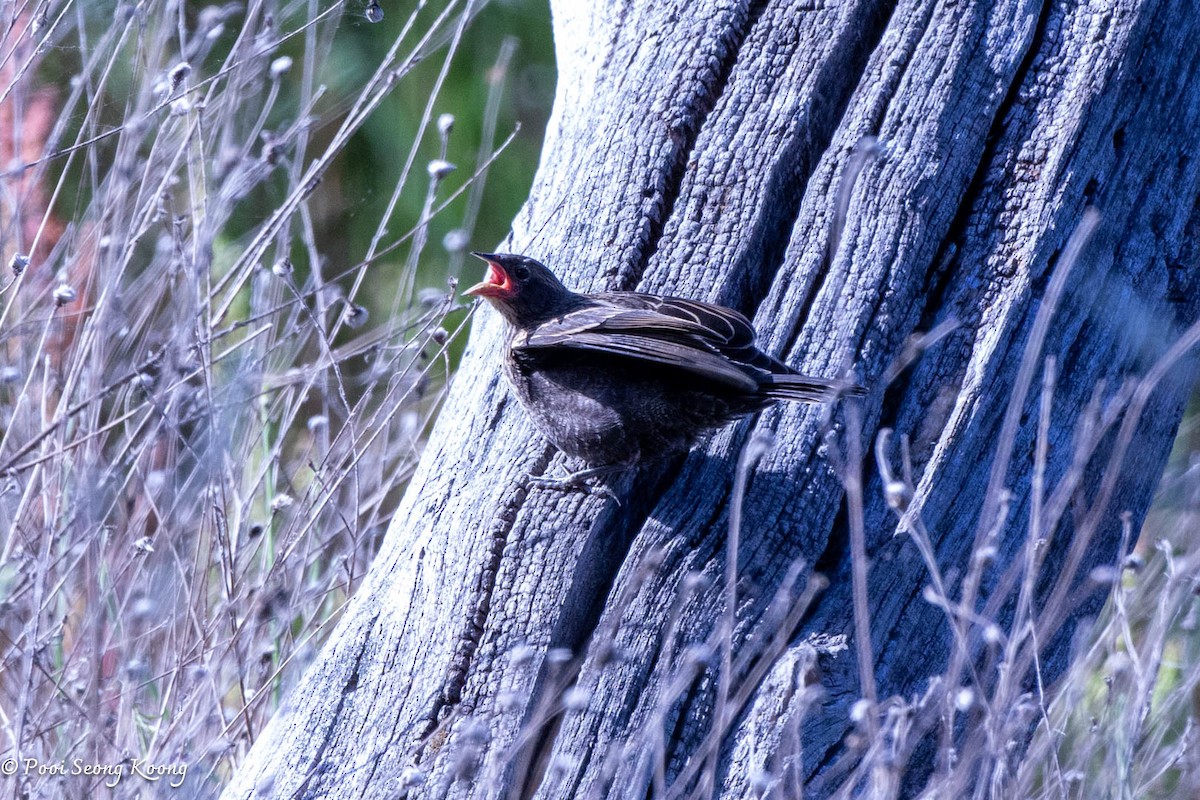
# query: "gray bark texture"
{"points": [[512, 641]]}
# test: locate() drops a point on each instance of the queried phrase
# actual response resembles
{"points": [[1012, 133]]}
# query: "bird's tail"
{"points": [[804, 389]]}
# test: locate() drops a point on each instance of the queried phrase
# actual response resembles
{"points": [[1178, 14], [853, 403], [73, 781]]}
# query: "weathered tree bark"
{"points": [[696, 149]]}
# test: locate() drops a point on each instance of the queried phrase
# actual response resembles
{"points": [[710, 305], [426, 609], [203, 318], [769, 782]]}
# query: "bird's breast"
{"points": [[570, 407]]}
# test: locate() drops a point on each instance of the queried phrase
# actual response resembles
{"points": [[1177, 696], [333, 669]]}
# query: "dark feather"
{"points": [[710, 340], [808, 390], [642, 334], [647, 348]]}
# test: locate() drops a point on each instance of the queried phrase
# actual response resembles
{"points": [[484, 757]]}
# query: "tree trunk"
{"points": [[515, 641]]}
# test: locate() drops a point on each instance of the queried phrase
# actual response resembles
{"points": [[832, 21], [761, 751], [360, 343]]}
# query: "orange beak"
{"points": [[495, 284]]}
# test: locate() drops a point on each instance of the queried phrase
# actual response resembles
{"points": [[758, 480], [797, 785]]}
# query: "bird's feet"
{"points": [[577, 482]]}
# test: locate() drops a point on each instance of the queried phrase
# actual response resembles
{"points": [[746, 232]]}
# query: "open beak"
{"points": [[496, 283]]}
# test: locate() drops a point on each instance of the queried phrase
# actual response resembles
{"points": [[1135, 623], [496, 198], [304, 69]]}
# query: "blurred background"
{"points": [[506, 55], [230, 238]]}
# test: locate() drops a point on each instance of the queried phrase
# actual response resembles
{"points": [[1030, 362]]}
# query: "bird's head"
{"points": [[523, 290]]}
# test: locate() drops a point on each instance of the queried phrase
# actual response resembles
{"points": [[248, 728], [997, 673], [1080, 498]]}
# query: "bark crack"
{"points": [[773, 230], [937, 281], [349, 687], [683, 129], [485, 585]]}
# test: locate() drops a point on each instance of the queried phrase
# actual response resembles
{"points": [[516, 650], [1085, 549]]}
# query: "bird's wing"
{"points": [[722, 328], [682, 341], [721, 325]]}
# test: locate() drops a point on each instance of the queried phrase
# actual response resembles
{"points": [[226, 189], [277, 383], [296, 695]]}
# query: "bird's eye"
{"points": [[521, 272]]}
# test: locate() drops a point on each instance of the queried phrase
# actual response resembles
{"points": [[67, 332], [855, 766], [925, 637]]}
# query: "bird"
{"points": [[617, 379]]}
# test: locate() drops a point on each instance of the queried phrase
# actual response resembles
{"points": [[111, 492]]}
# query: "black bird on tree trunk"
{"points": [[617, 379]]}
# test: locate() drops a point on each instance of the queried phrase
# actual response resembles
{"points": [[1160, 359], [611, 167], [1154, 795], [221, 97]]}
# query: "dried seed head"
{"points": [[520, 655], [374, 12], [142, 608], [178, 74], [272, 151], [283, 268], [355, 316], [985, 556], [558, 655], [445, 124], [18, 263], [64, 293], [280, 66], [576, 698], [475, 732], [455, 241], [897, 495], [439, 168], [156, 480]]}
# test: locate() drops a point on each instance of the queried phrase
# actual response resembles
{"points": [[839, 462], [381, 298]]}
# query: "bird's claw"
{"points": [[575, 482]]}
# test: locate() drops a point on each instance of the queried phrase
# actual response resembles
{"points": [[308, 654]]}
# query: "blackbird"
{"points": [[616, 379]]}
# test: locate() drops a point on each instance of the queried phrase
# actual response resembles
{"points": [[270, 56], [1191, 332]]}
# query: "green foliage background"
{"points": [[375, 157]]}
